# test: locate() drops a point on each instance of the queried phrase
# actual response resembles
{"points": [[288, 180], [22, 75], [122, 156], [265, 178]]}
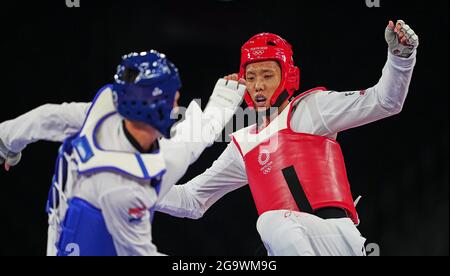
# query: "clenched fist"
{"points": [[402, 40]]}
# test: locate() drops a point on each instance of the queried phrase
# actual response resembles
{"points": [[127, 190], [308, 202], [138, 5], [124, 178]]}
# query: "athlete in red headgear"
{"points": [[292, 162], [271, 47]]}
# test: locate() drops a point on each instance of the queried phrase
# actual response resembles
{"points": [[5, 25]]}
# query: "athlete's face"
{"points": [[263, 79]]}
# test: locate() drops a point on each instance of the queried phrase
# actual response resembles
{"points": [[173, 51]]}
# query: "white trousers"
{"points": [[288, 233]]}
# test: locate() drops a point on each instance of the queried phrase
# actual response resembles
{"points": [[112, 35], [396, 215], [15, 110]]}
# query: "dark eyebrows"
{"points": [[268, 71], [263, 71]]}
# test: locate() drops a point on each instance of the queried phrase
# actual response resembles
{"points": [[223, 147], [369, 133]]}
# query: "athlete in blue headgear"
{"points": [[114, 164]]}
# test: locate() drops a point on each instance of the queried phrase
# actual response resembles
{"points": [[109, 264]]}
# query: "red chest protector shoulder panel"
{"points": [[281, 163]]}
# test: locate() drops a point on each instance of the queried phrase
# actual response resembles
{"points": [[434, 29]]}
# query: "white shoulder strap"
{"points": [[92, 158]]}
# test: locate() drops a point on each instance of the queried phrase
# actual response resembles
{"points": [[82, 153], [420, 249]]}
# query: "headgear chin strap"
{"points": [[265, 47], [148, 95]]}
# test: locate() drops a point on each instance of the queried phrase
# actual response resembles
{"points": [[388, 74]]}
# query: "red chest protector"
{"points": [[294, 171]]}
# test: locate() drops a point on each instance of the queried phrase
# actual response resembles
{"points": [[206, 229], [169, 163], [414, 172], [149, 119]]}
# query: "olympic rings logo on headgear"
{"points": [[259, 52]]}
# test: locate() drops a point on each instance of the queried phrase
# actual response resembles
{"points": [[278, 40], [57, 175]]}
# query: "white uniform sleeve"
{"points": [[195, 133], [332, 112], [127, 217], [190, 138], [193, 199], [49, 122]]}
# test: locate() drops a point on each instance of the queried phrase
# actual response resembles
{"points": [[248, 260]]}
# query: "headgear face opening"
{"points": [[145, 87], [265, 47]]}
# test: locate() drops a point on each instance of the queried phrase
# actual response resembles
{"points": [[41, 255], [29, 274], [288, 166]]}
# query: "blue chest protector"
{"points": [[83, 230]]}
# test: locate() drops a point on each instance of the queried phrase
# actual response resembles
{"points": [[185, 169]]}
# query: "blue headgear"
{"points": [[150, 96]]}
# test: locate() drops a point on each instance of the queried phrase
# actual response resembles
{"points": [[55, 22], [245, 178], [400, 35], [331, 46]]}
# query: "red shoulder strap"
{"points": [[298, 98]]}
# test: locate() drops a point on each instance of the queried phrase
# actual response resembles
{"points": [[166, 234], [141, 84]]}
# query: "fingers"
{"points": [[399, 25], [410, 36], [6, 165], [391, 25], [233, 77], [403, 39], [406, 35], [230, 83], [398, 30], [390, 35]]}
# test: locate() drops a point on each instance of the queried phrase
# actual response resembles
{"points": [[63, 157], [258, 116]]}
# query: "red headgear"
{"points": [[267, 46]]}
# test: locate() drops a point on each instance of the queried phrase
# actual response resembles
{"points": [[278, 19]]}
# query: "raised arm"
{"points": [[334, 112], [200, 128]]}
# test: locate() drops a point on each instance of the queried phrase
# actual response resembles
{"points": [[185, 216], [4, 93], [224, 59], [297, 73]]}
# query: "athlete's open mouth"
{"points": [[260, 101]]}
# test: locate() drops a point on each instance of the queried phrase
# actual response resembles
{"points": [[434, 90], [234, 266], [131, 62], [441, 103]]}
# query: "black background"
{"points": [[53, 54]]}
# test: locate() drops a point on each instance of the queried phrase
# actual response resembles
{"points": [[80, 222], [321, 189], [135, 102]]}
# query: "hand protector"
{"points": [[11, 158], [393, 40], [224, 102]]}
